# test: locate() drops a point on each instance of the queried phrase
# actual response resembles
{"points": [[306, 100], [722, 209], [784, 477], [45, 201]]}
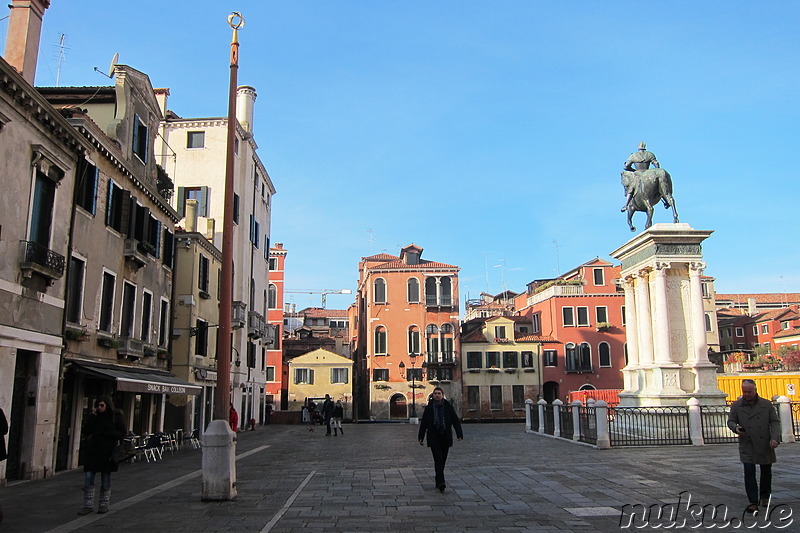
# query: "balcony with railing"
{"points": [[256, 325], [431, 300], [130, 347], [238, 314], [135, 252], [554, 290], [441, 358], [42, 260]]}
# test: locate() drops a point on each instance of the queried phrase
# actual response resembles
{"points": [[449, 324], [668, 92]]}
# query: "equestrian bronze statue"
{"points": [[645, 186]]}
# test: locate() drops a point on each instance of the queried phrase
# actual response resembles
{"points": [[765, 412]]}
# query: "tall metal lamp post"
{"points": [[219, 447]]}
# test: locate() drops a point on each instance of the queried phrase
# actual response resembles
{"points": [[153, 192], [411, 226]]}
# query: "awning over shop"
{"points": [[132, 379]]}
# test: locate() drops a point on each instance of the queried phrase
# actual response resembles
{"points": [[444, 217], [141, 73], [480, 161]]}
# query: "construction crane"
{"points": [[323, 292]]}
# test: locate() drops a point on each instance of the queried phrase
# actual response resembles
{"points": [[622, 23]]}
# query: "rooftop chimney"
{"points": [[751, 306], [245, 98], [191, 216], [22, 39]]}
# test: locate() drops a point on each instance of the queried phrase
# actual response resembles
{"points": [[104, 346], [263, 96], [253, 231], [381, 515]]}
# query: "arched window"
{"points": [[430, 291], [586, 357], [413, 290], [587, 387], [432, 342], [604, 354], [380, 340], [380, 291], [446, 342], [413, 340], [273, 297], [571, 356], [445, 291]]}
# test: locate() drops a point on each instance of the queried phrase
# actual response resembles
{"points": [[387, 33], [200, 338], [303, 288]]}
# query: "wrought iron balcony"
{"points": [[40, 259], [442, 301], [441, 358]]}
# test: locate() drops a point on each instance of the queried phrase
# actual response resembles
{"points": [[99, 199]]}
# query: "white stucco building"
{"points": [[192, 151]]}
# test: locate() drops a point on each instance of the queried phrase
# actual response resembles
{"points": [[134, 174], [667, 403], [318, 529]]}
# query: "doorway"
{"points": [[550, 391], [398, 407]]}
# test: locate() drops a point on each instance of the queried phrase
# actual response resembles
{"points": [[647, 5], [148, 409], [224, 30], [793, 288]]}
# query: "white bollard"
{"points": [[785, 414], [576, 420], [695, 422], [219, 462], [528, 407], [557, 417], [541, 404], [601, 413]]}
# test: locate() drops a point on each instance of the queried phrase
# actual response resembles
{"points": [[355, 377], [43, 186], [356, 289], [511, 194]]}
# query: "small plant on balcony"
{"points": [[551, 283], [75, 334], [162, 354], [736, 357], [108, 342], [502, 340], [149, 351], [382, 386], [604, 326], [493, 369], [510, 370], [790, 357]]}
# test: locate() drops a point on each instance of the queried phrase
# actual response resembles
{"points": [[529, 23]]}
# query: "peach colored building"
{"points": [[406, 338], [584, 311]]}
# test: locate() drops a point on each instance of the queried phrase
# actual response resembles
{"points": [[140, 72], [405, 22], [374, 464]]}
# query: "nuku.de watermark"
{"points": [[685, 514]]}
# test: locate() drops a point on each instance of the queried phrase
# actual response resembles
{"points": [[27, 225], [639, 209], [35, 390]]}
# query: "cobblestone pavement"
{"points": [[376, 477]]}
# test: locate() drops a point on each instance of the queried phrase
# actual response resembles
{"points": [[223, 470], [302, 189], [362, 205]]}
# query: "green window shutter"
{"points": [[311, 376], [202, 207], [180, 202]]}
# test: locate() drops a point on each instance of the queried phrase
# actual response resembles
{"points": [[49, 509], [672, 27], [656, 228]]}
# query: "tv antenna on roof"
{"points": [[110, 74], [61, 46]]}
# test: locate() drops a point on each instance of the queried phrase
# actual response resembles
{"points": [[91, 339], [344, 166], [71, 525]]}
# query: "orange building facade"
{"points": [[406, 325], [584, 311]]}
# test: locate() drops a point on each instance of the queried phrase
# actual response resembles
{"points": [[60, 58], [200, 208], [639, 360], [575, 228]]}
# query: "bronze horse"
{"points": [[649, 186]]}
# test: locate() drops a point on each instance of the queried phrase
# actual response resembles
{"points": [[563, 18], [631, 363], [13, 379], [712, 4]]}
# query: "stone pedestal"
{"points": [[665, 321], [219, 462]]}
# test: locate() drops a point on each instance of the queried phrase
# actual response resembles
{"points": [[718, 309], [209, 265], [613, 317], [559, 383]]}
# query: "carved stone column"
{"points": [[699, 344], [643, 318], [661, 327]]}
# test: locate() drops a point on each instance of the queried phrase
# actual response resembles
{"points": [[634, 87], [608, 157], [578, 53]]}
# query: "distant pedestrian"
{"points": [[438, 421], [755, 421], [327, 413], [233, 419], [104, 427], [336, 418], [268, 414], [3, 453]]}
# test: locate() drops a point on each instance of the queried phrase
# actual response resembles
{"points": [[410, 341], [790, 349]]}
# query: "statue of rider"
{"points": [[638, 162]]}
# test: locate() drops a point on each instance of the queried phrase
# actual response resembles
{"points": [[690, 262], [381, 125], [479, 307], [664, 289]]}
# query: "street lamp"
{"points": [[413, 382]]}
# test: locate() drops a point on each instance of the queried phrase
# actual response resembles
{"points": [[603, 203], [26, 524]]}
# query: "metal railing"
{"points": [[565, 420], [535, 418], [51, 262], [648, 426], [549, 420], [714, 420], [588, 424]]}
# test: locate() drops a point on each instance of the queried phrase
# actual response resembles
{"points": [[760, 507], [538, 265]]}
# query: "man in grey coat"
{"points": [[756, 422]]}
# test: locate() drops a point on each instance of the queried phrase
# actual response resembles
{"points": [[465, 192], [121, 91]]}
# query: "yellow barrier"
{"points": [[769, 384]]}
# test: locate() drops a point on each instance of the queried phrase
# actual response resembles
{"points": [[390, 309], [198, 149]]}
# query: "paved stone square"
{"points": [[376, 477]]}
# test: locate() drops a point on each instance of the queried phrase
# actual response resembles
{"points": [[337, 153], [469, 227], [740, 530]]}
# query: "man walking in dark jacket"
{"points": [[327, 413], [438, 421]]}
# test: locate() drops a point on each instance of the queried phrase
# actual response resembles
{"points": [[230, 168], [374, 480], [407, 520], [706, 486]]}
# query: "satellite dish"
{"points": [[114, 61], [110, 74]]}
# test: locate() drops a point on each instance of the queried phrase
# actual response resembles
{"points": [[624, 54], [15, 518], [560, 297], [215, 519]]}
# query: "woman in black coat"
{"points": [[105, 428], [438, 421]]}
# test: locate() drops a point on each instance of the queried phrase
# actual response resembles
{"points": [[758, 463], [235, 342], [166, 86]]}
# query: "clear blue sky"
{"points": [[484, 131]]}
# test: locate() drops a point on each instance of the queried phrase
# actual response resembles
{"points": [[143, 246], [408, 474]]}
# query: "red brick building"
{"points": [[276, 379]]}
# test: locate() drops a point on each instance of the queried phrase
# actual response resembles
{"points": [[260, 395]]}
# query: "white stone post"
{"points": [[557, 417], [603, 436], [643, 317], [219, 462], [785, 414], [695, 422], [700, 344], [541, 404], [528, 407], [576, 420]]}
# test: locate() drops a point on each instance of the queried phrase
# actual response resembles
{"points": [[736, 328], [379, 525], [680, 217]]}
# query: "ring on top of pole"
{"points": [[236, 20]]}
